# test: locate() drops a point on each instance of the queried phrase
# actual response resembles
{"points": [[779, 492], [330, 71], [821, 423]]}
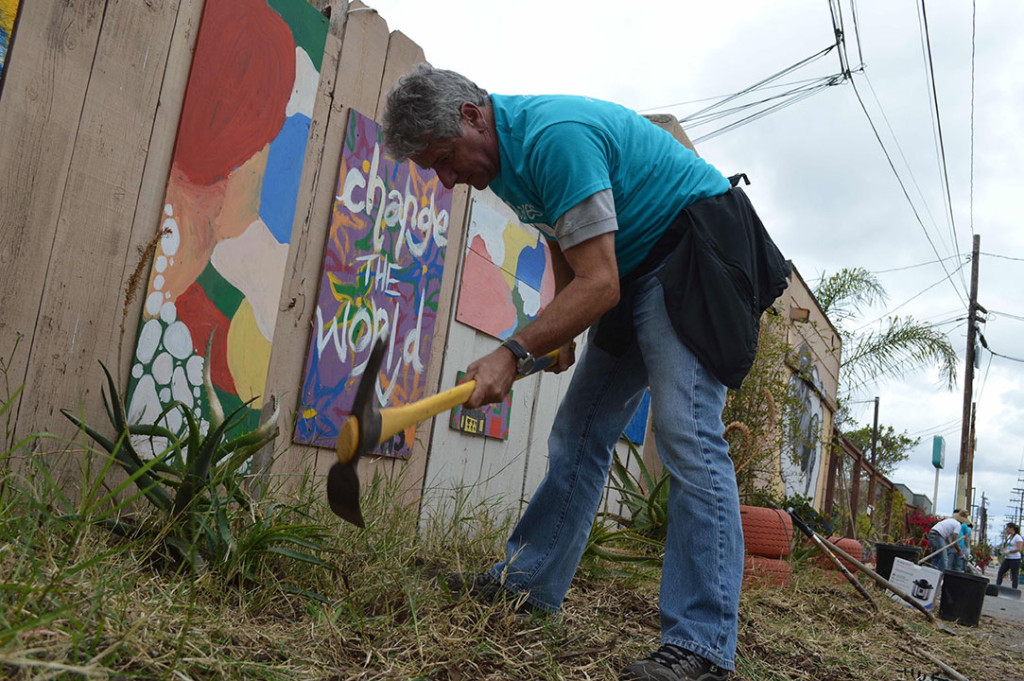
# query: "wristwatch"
{"points": [[524, 360]]}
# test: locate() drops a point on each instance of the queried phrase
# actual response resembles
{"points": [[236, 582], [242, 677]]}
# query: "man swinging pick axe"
{"points": [[670, 269]]}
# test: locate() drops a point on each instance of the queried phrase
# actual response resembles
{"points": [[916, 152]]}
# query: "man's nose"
{"points": [[447, 177]]}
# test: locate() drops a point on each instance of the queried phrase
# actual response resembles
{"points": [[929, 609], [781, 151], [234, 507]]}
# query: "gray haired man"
{"points": [[669, 268]]}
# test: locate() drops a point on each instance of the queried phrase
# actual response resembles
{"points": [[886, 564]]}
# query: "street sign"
{"points": [[938, 451]]}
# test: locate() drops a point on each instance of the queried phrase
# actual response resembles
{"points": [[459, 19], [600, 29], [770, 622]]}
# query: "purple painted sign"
{"points": [[382, 277]]}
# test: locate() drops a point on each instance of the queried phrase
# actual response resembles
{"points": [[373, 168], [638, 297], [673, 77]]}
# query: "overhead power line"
{"points": [[936, 428], [888, 312], [794, 97], [761, 107], [1012, 359], [663, 107], [903, 157], [1004, 257], [984, 344], [974, 33], [922, 264], [999, 313], [906, 194], [856, 30], [938, 125]]}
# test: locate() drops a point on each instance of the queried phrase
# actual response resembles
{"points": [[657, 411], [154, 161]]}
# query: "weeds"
{"points": [[78, 602], [77, 605]]}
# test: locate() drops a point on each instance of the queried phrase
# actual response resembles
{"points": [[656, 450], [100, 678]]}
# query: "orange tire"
{"points": [[758, 571], [766, 532], [851, 546]]}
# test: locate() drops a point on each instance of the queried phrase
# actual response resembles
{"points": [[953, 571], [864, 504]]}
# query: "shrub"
{"points": [[200, 513]]}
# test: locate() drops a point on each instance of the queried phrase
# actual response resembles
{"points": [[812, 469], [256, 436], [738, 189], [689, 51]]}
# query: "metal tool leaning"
{"points": [[369, 425]]}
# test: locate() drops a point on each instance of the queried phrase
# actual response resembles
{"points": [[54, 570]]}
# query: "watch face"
{"points": [[525, 365]]}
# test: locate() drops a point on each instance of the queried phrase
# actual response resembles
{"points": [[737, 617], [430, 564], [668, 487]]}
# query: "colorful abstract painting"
{"points": [[507, 277], [490, 420], [8, 12], [381, 279], [636, 430], [228, 209]]}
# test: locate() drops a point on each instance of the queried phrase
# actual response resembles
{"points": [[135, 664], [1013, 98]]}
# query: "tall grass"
{"points": [[78, 602]]}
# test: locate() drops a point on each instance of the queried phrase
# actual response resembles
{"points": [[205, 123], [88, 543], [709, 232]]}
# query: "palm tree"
{"points": [[903, 345]]}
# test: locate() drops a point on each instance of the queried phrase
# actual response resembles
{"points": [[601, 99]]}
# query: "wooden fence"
{"points": [[854, 489], [88, 120]]}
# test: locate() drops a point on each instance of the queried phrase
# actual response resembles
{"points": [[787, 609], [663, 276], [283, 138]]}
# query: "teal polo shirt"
{"points": [[557, 150]]}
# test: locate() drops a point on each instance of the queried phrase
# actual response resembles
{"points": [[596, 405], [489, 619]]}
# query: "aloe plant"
{"points": [[645, 497], [204, 517], [640, 538]]}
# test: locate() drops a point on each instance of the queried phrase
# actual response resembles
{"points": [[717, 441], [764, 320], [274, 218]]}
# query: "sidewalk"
{"points": [[1006, 614]]}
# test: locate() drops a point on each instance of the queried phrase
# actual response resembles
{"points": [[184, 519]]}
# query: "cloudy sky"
{"points": [[821, 181]]}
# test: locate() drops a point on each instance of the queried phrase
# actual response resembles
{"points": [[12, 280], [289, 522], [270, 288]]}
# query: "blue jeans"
{"points": [[941, 560], [1011, 565], [703, 563]]}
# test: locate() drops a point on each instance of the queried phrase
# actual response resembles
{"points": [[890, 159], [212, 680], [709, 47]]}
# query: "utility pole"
{"points": [[972, 444], [983, 520], [963, 470], [874, 437], [874, 458]]}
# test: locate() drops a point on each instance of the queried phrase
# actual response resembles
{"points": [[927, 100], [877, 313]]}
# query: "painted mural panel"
{"points": [[228, 209], [8, 12], [490, 420], [381, 277], [507, 277], [802, 457]]}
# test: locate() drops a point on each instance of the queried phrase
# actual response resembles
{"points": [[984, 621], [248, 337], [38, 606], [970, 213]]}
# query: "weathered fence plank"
{"points": [[149, 209], [360, 67], [79, 314], [44, 89], [309, 232]]}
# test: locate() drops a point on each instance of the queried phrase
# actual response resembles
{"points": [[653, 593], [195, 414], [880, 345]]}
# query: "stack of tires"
{"points": [[767, 539], [850, 546]]}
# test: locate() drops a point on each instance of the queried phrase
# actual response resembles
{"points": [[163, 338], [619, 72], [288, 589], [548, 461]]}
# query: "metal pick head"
{"points": [[343, 477], [343, 493]]}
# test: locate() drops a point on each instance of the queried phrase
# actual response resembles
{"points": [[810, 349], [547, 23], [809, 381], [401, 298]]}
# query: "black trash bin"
{"points": [[886, 553], [962, 598]]}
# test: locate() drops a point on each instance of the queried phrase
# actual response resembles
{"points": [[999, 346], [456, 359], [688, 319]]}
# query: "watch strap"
{"points": [[524, 360], [516, 349]]}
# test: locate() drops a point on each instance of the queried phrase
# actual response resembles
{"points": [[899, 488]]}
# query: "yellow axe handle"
{"points": [[394, 419]]}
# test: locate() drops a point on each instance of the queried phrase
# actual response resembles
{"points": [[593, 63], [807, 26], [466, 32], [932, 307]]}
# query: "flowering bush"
{"points": [[919, 524], [981, 554]]}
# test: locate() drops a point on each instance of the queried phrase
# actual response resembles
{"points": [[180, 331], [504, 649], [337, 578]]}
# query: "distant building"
{"points": [[919, 501], [908, 494]]}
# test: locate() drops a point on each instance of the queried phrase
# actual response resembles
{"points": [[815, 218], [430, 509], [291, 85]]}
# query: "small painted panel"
{"points": [[381, 278], [636, 430], [228, 210], [507, 278], [491, 420]]}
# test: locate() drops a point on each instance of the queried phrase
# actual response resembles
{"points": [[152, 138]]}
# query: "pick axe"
{"points": [[369, 425]]}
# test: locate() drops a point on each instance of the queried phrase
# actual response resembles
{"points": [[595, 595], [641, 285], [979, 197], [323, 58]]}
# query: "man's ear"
{"points": [[473, 115]]}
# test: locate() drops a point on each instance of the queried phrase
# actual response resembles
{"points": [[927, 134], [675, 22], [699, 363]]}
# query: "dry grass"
{"points": [[76, 606], [819, 628]]}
